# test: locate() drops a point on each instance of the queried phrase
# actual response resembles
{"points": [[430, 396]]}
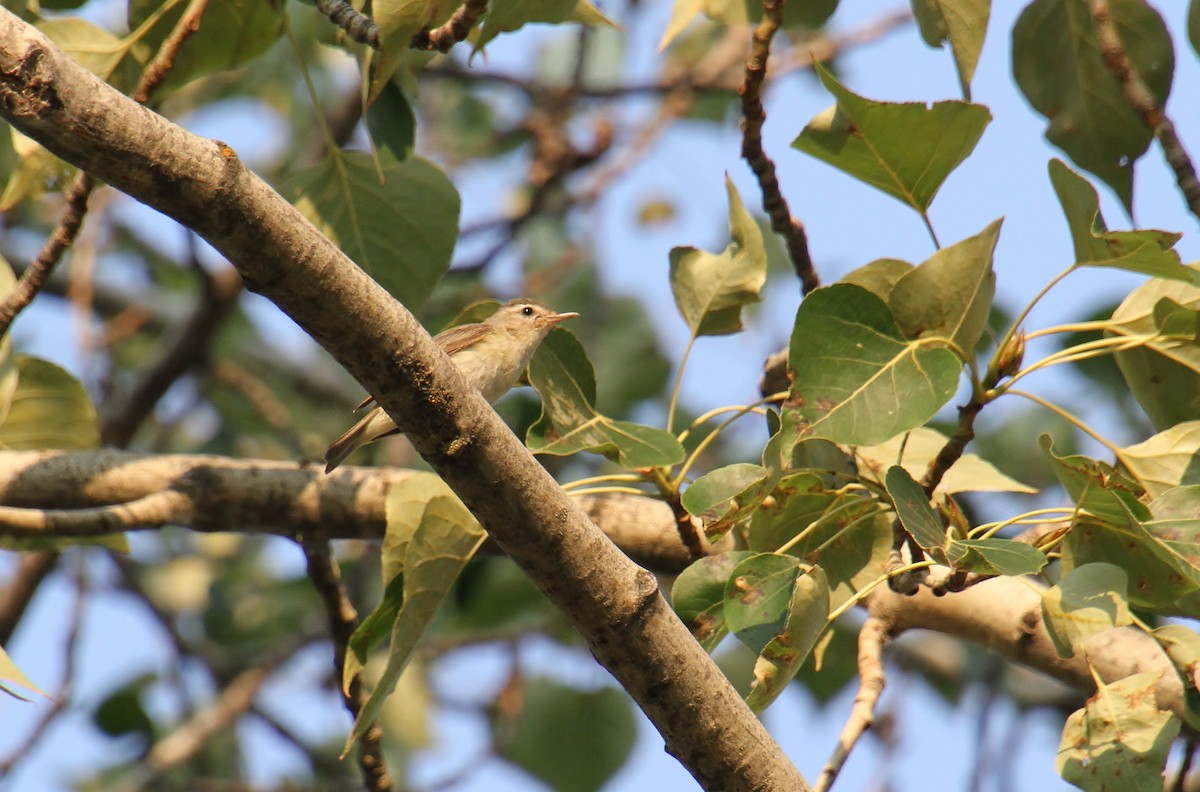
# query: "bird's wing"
{"points": [[459, 338]]}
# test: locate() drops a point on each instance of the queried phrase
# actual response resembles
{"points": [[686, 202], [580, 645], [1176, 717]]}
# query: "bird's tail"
{"points": [[374, 425]]}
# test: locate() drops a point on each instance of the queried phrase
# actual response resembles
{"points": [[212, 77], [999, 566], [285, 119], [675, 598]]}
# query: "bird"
{"points": [[492, 354]]}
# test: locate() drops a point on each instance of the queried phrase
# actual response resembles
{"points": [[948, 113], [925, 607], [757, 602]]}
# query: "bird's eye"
{"points": [[527, 310]]}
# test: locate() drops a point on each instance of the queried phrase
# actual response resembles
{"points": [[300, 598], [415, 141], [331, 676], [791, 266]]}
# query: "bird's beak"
{"points": [[561, 317]]}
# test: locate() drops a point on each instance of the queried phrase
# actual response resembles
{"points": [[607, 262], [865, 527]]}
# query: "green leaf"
{"points": [[230, 34], [711, 289], [906, 150], [1168, 459], [1089, 600], [562, 376], [401, 231], [399, 21], [1160, 552], [758, 597], [781, 658], [1163, 375], [920, 446], [10, 675], [1120, 734], [723, 497], [1095, 486], [430, 537], [1182, 645], [995, 556], [961, 22], [949, 296], [570, 739], [8, 361], [49, 409], [858, 381], [915, 513], [810, 14], [391, 122], [1058, 65], [1193, 25], [513, 15], [94, 48], [879, 276], [698, 596], [798, 501], [1147, 252]]}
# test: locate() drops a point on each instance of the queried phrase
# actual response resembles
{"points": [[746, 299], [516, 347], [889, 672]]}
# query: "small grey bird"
{"points": [[493, 354]]}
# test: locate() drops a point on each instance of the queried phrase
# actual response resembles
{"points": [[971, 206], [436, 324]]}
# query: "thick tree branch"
{"points": [[614, 604], [1002, 614]]}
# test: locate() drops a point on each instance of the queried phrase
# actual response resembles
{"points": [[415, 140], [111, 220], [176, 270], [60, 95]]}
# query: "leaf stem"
{"points": [[988, 530], [608, 477], [1071, 419], [687, 350], [867, 589], [929, 228]]}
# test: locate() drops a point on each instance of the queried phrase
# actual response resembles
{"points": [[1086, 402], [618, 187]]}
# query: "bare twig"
{"points": [[61, 699], [753, 117], [871, 640], [123, 417], [327, 580], [17, 594], [164, 61], [187, 740], [1144, 103], [35, 275]]}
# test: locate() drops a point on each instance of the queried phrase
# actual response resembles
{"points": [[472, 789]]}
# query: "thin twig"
{"points": [[31, 571], [35, 275], [753, 117], [221, 292], [1144, 103], [327, 580], [61, 699], [164, 61], [871, 640]]}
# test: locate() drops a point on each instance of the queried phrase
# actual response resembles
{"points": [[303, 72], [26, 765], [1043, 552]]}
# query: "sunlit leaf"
{"points": [[698, 596], [949, 296], [1089, 600], [49, 409], [1120, 734], [1163, 375], [1059, 67], [711, 289], [430, 537], [879, 276], [1182, 645], [398, 22], [758, 597], [1168, 459], [961, 22], [11, 675], [906, 150], [810, 14], [921, 445], [513, 15], [1148, 252], [562, 376], [858, 381]]}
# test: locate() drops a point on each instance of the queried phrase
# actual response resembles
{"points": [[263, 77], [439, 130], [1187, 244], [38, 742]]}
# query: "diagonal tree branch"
{"points": [[615, 605]]}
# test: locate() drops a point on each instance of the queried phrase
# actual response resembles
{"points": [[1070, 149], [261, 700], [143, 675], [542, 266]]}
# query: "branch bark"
{"points": [[615, 605]]}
